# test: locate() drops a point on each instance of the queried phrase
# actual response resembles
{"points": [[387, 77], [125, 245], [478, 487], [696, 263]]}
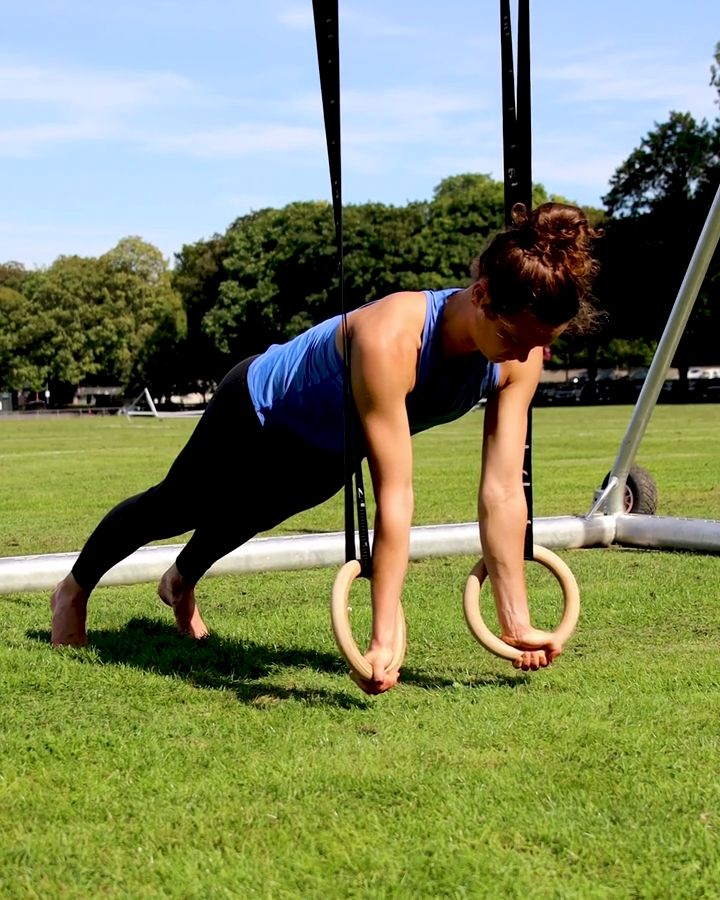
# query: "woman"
{"points": [[271, 440]]}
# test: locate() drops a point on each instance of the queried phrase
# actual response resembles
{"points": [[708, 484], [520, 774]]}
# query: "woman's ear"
{"points": [[481, 298], [479, 292]]}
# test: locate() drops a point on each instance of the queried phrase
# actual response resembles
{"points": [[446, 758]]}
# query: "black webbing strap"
{"points": [[517, 165], [328, 50]]}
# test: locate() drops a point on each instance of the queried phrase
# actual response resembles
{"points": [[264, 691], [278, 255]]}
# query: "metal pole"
{"points": [[663, 355], [668, 533], [38, 573]]}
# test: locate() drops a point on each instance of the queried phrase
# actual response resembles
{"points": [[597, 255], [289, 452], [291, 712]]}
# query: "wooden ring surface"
{"points": [[339, 608], [474, 619]]}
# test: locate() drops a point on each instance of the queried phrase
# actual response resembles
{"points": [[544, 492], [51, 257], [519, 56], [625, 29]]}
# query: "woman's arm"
{"points": [[502, 509], [385, 341]]}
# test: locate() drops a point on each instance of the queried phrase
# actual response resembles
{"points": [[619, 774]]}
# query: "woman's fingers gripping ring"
{"points": [[476, 624], [339, 611]]}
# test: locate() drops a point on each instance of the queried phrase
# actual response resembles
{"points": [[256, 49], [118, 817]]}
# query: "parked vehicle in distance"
{"points": [[697, 372], [570, 392], [706, 390], [619, 386]]}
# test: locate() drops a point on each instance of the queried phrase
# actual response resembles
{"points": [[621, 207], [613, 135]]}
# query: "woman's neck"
{"points": [[460, 324]]}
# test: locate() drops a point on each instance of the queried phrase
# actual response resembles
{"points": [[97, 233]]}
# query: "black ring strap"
{"points": [[325, 13], [517, 167]]}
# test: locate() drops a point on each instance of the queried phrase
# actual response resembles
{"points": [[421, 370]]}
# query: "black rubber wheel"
{"points": [[640, 492]]}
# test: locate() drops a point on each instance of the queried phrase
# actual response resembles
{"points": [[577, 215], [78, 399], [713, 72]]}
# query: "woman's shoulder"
{"points": [[396, 320], [403, 301]]}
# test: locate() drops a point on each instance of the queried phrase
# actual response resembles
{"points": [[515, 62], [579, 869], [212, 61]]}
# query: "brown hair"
{"points": [[543, 265]]}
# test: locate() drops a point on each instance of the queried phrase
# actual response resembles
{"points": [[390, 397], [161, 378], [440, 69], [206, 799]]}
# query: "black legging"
{"points": [[231, 480]]}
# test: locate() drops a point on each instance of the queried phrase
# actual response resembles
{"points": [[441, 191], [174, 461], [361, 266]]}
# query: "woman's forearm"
{"points": [[390, 560], [502, 533]]}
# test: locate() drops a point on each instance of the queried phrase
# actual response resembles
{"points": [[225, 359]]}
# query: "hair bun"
{"points": [[543, 264], [519, 215]]}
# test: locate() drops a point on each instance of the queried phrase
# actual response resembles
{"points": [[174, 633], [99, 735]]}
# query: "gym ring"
{"points": [[473, 617], [339, 607]]}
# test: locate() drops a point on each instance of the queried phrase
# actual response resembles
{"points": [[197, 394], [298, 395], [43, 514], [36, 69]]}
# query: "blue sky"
{"points": [[169, 118]]}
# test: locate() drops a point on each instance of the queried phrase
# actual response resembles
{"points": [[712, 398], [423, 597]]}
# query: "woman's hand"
{"points": [[539, 648], [379, 658]]}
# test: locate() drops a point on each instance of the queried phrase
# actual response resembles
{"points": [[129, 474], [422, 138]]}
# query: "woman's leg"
{"points": [[170, 508], [285, 477], [265, 498], [153, 515]]}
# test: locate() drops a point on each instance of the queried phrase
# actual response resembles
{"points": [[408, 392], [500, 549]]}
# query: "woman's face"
{"points": [[513, 337]]}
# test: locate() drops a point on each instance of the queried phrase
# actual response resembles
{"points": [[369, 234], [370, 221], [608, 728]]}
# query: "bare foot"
{"points": [[69, 612], [175, 592]]}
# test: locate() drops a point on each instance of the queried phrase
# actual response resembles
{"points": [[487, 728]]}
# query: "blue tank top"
{"points": [[298, 386]]}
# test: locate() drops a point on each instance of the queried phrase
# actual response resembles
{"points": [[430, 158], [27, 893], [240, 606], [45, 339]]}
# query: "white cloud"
{"points": [[23, 142], [378, 25], [83, 91], [371, 120], [632, 79], [403, 104], [588, 173], [242, 140], [297, 17], [352, 18], [398, 115], [69, 105]]}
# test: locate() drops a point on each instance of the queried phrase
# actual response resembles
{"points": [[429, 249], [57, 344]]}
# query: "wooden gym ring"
{"points": [[339, 608], [474, 619]]}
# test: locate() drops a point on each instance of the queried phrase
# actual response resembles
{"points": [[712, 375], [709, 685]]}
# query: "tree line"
{"points": [[127, 318]]}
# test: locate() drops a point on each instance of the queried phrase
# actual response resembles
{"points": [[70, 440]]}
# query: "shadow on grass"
{"points": [[215, 662], [243, 667], [441, 682]]}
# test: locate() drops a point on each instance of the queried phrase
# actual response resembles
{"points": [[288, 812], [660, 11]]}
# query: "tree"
{"points": [[715, 72], [199, 271], [662, 176], [280, 266], [275, 273], [658, 201], [13, 275], [146, 313], [22, 363], [464, 212], [383, 247], [72, 333], [108, 319]]}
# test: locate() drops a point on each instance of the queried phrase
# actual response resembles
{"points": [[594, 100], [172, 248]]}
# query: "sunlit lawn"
{"points": [[250, 766]]}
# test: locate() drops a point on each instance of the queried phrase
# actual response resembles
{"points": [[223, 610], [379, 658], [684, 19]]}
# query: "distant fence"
{"points": [[61, 411]]}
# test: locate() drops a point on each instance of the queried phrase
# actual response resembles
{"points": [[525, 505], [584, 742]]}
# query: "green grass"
{"points": [[250, 766]]}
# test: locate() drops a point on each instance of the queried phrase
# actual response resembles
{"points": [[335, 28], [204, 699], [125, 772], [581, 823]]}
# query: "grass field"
{"points": [[250, 766]]}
